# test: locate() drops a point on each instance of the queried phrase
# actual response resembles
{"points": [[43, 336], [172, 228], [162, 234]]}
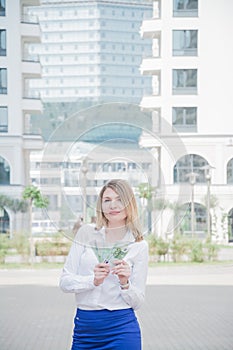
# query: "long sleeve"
{"points": [[71, 280], [134, 296]]}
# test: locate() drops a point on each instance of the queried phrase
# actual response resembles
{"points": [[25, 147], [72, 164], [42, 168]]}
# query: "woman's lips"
{"points": [[114, 212]]}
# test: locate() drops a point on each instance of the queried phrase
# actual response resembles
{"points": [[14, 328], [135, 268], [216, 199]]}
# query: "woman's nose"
{"points": [[113, 204]]}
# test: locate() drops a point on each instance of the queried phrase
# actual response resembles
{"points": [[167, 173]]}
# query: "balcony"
{"points": [[150, 66], [31, 67], [151, 102], [32, 103], [30, 28], [151, 28]]}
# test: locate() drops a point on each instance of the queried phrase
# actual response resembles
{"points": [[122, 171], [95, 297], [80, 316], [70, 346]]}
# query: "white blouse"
{"points": [[78, 274]]}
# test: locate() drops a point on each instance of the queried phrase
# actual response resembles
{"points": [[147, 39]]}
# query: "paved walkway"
{"points": [[186, 308]]}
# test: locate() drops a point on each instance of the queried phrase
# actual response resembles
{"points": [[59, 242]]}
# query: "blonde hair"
{"points": [[125, 192]]}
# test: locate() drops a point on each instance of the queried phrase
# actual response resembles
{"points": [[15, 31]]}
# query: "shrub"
{"points": [[157, 247], [196, 252], [179, 247], [211, 250], [21, 243], [4, 246], [48, 248]]}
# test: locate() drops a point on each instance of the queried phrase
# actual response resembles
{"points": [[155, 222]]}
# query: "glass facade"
{"points": [[92, 50]]}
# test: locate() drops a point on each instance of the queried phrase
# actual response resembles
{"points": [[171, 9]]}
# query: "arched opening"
{"points": [[4, 172], [230, 225], [190, 163], [4, 221], [183, 220]]}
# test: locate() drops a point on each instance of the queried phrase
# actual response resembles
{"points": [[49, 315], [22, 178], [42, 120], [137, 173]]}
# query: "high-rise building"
{"points": [[92, 50], [17, 67], [191, 103]]}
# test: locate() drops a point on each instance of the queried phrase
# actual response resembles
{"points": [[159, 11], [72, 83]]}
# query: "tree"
{"points": [[34, 196]]}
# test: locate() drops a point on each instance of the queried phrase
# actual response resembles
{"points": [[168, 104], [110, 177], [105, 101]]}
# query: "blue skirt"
{"points": [[106, 330]]}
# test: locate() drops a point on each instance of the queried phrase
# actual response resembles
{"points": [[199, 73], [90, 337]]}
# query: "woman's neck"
{"points": [[114, 234]]}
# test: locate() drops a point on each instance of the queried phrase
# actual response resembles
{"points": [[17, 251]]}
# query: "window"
{"points": [[3, 81], [3, 119], [183, 220], [184, 81], [2, 8], [184, 119], [4, 172], [185, 8], [184, 42], [2, 42], [230, 172], [188, 164]]}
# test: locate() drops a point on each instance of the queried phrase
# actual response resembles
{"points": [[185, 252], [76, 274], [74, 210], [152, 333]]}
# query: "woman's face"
{"points": [[113, 208]]}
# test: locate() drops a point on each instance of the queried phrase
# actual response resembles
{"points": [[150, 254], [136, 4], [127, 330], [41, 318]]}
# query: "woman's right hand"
{"points": [[101, 271]]}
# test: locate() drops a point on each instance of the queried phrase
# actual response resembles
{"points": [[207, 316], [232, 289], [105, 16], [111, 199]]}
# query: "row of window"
{"points": [[184, 119], [181, 8], [184, 81], [190, 163]]}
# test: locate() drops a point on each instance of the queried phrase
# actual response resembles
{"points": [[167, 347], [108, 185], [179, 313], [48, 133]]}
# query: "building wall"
{"points": [[92, 50], [16, 138], [211, 135]]}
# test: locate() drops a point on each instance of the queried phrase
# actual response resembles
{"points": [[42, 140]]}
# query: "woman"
{"points": [[106, 269]]}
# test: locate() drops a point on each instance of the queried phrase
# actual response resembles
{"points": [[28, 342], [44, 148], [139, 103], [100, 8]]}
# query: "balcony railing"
{"points": [[34, 95], [29, 19], [27, 57]]}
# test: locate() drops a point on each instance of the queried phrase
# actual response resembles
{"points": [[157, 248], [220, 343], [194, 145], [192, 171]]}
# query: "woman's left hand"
{"points": [[122, 270]]}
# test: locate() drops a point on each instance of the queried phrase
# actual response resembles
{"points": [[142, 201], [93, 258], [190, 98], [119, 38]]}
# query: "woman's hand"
{"points": [[101, 271], [122, 270]]}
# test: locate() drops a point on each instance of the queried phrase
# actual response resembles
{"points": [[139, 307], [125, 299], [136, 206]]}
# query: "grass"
{"points": [[37, 266], [189, 263], [46, 265]]}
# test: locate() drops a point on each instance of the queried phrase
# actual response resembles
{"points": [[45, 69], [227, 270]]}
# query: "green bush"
{"points": [[48, 248], [179, 247], [157, 247], [211, 250], [162, 248], [4, 246], [196, 253], [21, 243]]}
